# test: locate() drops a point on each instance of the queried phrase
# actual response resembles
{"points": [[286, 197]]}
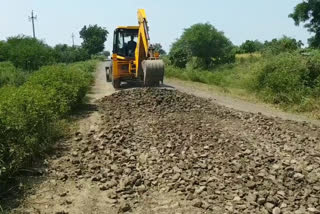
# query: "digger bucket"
{"points": [[153, 72]]}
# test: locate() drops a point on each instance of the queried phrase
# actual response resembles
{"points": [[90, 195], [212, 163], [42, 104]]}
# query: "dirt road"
{"points": [[163, 151], [202, 90]]}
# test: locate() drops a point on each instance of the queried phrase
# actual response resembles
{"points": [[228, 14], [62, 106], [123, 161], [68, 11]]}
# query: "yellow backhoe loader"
{"points": [[133, 57]]}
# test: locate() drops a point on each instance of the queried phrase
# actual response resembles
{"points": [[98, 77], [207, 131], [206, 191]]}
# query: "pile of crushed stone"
{"points": [[219, 159]]}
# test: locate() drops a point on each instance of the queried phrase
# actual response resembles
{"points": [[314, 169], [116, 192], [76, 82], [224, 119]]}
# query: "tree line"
{"points": [[202, 45], [282, 71], [30, 54]]}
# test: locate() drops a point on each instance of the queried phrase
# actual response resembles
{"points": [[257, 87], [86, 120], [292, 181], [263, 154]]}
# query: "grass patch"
{"points": [[233, 75]]}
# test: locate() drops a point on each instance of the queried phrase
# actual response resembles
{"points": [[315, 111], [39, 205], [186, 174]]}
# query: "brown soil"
{"points": [[164, 151]]}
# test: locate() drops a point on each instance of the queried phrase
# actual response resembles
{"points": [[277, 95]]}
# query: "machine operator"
{"points": [[131, 46]]}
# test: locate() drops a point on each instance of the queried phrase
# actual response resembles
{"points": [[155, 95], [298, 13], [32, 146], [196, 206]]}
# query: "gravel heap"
{"points": [[219, 159]]}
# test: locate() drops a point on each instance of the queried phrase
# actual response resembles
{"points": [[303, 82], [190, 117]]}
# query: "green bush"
{"points": [[88, 66], [66, 54], [9, 75], [26, 116], [313, 64], [4, 49], [284, 44], [70, 83], [29, 113], [237, 75], [284, 79], [28, 53], [175, 72]]}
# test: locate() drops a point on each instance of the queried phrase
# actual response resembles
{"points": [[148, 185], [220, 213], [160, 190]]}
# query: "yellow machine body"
{"points": [[134, 60]]}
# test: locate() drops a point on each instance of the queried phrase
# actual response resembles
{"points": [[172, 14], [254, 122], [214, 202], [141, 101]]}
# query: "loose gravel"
{"points": [[219, 159]]}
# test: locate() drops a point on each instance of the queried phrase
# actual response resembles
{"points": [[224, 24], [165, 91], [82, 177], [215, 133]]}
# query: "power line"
{"points": [[32, 18]]}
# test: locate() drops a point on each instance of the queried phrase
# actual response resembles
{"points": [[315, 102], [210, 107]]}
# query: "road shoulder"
{"points": [[247, 105]]}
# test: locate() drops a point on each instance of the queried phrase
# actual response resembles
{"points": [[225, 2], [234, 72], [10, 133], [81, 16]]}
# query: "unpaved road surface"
{"points": [[164, 151], [203, 90]]}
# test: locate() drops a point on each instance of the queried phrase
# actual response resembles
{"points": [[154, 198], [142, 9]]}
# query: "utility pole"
{"points": [[72, 39], [32, 18]]}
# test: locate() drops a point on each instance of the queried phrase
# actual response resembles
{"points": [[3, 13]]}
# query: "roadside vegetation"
{"points": [[281, 71], [30, 114], [10, 75], [40, 86], [289, 80]]}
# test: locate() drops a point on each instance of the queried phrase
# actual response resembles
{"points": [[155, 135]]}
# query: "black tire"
{"points": [[108, 76], [116, 83]]}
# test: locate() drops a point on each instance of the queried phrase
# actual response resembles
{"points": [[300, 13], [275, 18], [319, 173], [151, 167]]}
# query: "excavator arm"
{"points": [[148, 66], [143, 35]]}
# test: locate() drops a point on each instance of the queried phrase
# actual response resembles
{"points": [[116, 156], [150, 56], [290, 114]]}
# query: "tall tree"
{"points": [[179, 54], [94, 38], [308, 12], [251, 46], [159, 49], [204, 41]]}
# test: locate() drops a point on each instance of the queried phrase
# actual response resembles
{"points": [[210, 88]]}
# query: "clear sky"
{"points": [[239, 19]]}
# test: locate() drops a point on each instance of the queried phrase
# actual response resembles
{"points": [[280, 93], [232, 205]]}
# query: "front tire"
{"points": [[115, 82], [108, 75]]}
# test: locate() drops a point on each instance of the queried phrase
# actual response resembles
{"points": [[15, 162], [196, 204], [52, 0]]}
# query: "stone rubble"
{"points": [[219, 159]]}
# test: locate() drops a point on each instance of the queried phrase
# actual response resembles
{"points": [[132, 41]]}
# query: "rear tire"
{"points": [[116, 83]]}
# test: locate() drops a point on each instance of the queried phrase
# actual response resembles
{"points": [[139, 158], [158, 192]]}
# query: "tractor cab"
{"points": [[125, 41]]}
